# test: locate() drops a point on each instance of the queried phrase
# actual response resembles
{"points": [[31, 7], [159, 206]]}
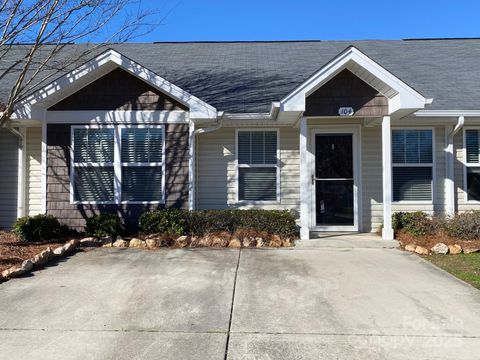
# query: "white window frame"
{"points": [[466, 164], [431, 165], [238, 166], [117, 164]]}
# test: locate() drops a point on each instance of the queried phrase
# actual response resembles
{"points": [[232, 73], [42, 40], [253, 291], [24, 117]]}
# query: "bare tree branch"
{"points": [[35, 36]]}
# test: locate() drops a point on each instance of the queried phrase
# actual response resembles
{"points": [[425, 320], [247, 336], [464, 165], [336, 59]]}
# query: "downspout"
{"points": [[450, 171], [20, 172], [192, 158]]}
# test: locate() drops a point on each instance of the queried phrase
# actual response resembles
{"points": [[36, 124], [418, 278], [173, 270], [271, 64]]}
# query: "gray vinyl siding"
{"points": [[33, 179], [8, 178], [216, 171]]}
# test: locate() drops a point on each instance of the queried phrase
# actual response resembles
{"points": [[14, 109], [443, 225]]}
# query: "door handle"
{"points": [[313, 179]]}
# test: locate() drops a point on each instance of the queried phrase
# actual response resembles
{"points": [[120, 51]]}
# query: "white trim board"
{"points": [[116, 117]]}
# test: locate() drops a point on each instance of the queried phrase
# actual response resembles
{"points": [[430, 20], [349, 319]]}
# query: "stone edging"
{"points": [[39, 260], [151, 242], [440, 248]]}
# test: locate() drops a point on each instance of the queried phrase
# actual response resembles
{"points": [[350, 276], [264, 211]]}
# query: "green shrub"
{"points": [[37, 228], [465, 226], [168, 221], [173, 221], [104, 224], [415, 223]]}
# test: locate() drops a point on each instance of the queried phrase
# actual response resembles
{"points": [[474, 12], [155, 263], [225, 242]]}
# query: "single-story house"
{"points": [[341, 132]]}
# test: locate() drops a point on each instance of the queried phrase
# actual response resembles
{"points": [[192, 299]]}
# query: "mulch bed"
{"points": [[428, 241], [14, 252]]}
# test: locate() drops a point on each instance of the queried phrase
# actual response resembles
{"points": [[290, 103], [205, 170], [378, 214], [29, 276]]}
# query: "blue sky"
{"points": [[189, 20]]}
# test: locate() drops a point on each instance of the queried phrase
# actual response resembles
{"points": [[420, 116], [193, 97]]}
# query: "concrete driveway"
{"points": [[321, 302]]}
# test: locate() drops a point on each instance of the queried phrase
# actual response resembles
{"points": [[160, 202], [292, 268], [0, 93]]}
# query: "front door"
{"points": [[335, 194]]}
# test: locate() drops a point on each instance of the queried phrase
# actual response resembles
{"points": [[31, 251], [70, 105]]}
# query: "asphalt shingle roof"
{"points": [[248, 76]]}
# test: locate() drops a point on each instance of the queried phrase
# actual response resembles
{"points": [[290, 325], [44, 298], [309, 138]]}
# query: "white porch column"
{"points": [[449, 182], [191, 166], [304, 182], [387, 231], [450, 132], [22, 174], [44, 166]]}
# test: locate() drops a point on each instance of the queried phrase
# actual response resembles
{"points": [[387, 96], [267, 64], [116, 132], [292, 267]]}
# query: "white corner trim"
{"points": [[407, 98], [198, 108]]}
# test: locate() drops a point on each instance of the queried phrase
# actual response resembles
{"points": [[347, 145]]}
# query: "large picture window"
{"points": [[412, 161], [257, 170], [472, 164], [117, 164]]}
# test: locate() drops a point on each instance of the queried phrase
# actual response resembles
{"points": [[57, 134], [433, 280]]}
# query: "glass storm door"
{"points": [[334, 181]]}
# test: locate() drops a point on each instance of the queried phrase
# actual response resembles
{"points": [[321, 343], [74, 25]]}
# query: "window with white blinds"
{"points": [[142, 164], [472, 164], [412, 162], [257, 161], [117, 164], [93, 164]]}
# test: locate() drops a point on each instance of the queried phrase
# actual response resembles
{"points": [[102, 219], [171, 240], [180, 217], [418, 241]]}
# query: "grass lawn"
{"points": [[463, 266]]}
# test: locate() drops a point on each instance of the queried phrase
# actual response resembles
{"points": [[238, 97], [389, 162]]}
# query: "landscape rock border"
{"points": [[155, 241], [40, 260], [150, 242], [440, 248]]}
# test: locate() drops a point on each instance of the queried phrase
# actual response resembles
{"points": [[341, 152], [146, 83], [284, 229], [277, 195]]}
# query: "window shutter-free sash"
{"points": [[257, 184], [411, 149], [257, 165], [93, 145]]}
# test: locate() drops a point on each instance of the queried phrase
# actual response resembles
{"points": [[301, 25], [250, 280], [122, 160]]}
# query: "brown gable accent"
{"points": [[346, 90], [118, 90]]}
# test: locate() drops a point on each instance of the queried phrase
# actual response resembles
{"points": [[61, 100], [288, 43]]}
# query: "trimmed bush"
{"points": [[415, 223], [168, 221], [174, 221], [465, 226], [104, 224], [37, 228]]}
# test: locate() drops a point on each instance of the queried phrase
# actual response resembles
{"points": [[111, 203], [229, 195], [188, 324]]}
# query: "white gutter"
{"points": [[192, 155], [450, 172], [447, 113], [272, 115]]}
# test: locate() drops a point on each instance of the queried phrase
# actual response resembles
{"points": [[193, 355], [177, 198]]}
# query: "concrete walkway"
{"points": [[323, 302]]}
